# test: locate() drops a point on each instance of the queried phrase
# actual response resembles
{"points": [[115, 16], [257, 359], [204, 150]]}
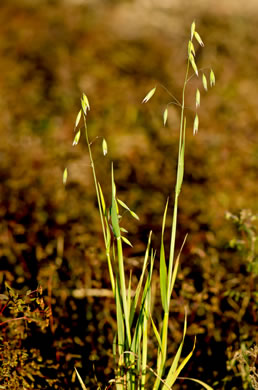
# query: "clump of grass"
{"points": [[244, 364], [134, 310]]}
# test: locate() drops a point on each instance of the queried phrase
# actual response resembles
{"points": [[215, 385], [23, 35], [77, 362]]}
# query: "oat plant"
{"points": [[133, 308]]}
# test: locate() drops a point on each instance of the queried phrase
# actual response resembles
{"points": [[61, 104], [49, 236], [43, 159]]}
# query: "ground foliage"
{"points": [[50, 52]]}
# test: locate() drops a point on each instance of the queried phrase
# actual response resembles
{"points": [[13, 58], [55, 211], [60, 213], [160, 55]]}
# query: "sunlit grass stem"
{"points": [[107, 244], [177, 188], [131, 341]]}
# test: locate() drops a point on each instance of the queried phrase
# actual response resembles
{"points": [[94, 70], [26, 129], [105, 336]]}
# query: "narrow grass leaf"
{"points": [[156, 332], [204, 82], [207, 387], [104, 147], [108, 242], [65, 174], [163, 278], [129, 294], [78, 118], [191, 59], [77, 138], [120, 260], [212, 78], [172, 374], [114, 214], [144, 349], [126, 241], [145, 337], [139, 286], [165, 116], [139, 324], [162, 352], [114, 348], [102, 200], [192, 29], [80, 380], [196, 124], [163, 266], [149, 95], [198, 38], [184, 362], [135, 347], [120, 321], [173, 279], [148, 280], [197, 98]]}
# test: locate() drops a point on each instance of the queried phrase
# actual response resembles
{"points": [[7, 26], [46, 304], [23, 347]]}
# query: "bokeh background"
{"points": [[116, 51]]}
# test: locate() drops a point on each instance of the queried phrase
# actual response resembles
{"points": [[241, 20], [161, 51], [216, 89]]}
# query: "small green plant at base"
{"points": [[243, 298], [247, 244], [133, 310], [244, 364], [20, 367]]}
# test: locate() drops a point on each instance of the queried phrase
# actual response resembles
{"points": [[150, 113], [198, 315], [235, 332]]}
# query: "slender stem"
{"points": [[110, 269], [130, 377], [164, 339], [174, 223], [123, 288], [100, 208], [163, 352], [144, 350], [95, 180], [199, 69], [177, 102]]}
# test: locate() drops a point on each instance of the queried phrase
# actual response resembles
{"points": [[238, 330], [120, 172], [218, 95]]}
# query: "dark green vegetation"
{"points": [[49, 54]]}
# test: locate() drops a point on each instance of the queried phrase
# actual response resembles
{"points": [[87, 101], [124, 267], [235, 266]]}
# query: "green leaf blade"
{"points": [[207, 387], [114, 214], [162, 266]]}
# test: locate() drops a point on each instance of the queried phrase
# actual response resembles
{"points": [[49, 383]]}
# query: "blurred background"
{"points": [[116, 51]]}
